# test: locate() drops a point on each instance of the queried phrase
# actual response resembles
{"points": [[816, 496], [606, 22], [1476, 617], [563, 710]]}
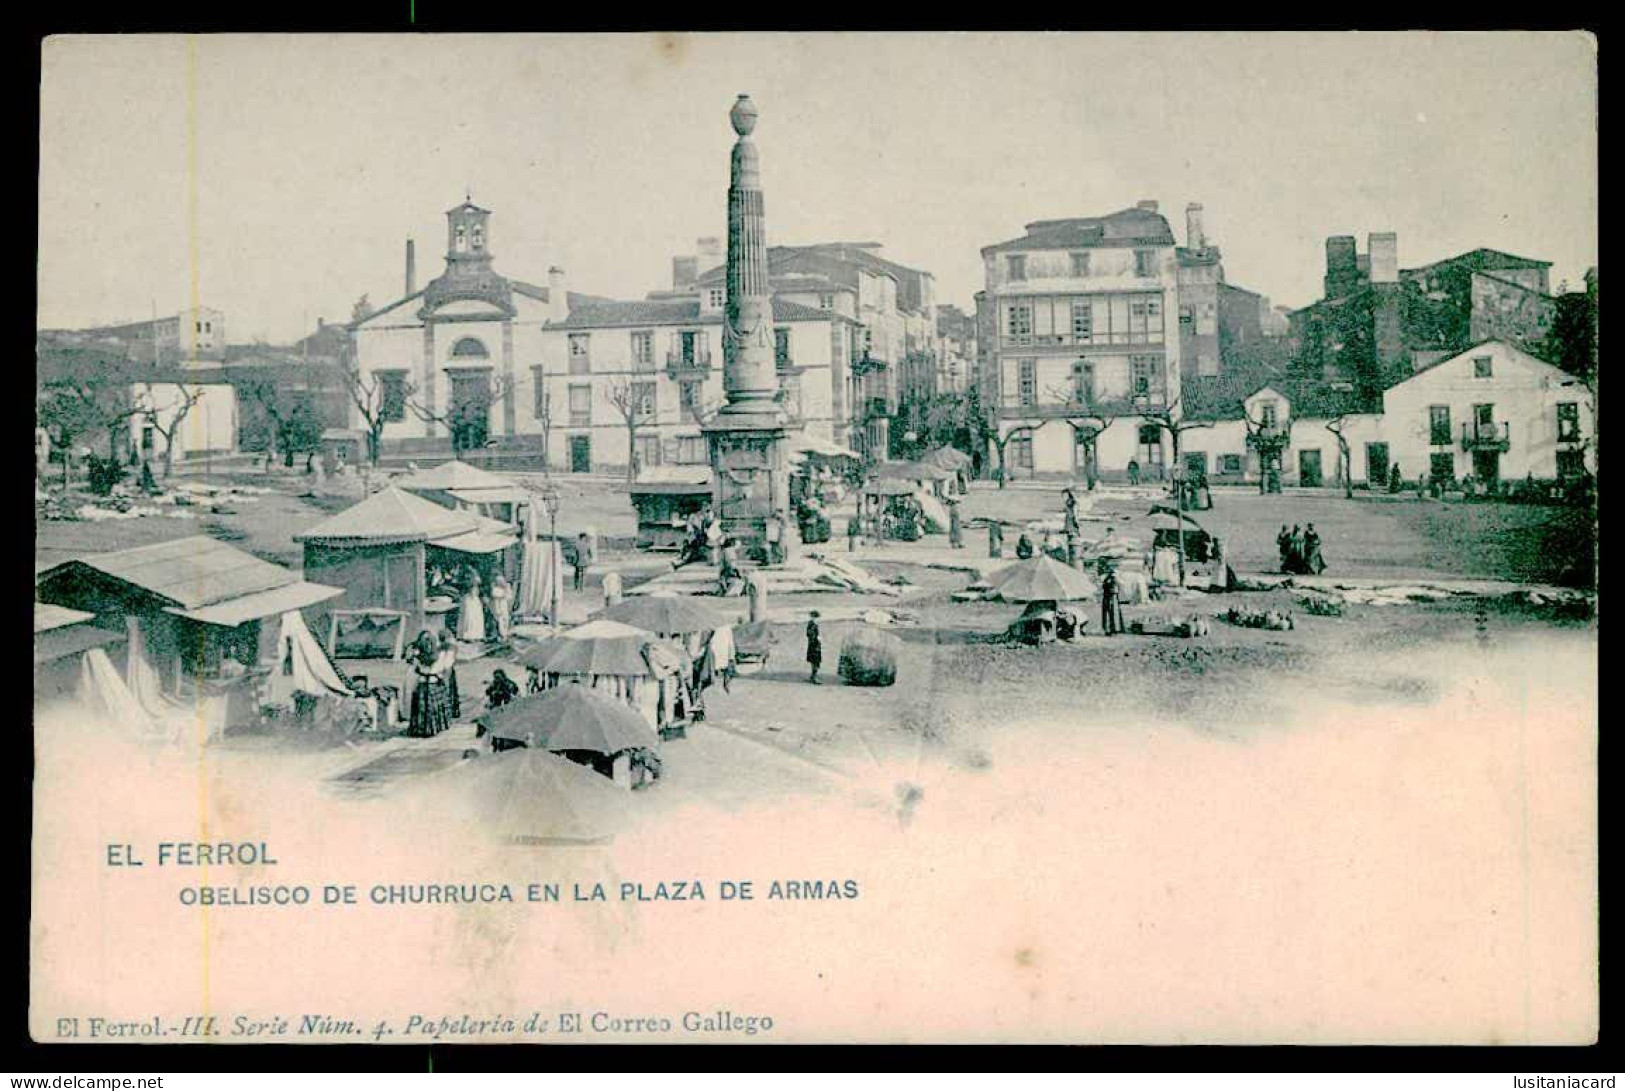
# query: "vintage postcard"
{"points": [[794, 538]]}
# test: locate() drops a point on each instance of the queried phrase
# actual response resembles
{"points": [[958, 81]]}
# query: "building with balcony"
{"points": [[197, 333], [1079, 324], [1492, 412], [661, 361]]}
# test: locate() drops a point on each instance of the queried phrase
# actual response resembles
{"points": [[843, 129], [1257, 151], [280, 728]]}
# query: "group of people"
{"points": [[1300, 551], [484, 612], [702, 538]]}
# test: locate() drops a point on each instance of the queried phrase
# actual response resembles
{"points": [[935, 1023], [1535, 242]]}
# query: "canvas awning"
{"points": [[61, 643], [264, 604], [478, 542], [505, 494], [47, 617]]}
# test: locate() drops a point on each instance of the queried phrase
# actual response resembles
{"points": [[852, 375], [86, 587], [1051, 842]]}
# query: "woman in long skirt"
{"points": [[446, 667], [431, 713]]}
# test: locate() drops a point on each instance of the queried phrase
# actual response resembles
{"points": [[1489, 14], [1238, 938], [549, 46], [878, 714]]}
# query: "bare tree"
{"points": [[467, 422], [1270, 441], [370, 396], [1086, 426], [635, 404], [1345, 462], [544, 421], [1002, 442], [153, 414]]}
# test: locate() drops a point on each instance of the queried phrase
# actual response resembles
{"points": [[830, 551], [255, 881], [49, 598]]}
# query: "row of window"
{"points": [[1145, 264], [688, 347], [1145, 379], [1116, 318], [1484, 425]]}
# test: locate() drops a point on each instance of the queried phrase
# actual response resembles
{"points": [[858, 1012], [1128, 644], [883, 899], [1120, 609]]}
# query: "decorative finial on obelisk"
{"points": [[750, 379]]}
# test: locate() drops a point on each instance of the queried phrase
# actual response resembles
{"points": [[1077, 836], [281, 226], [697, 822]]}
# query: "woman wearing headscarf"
{"points": [[431, 712]]}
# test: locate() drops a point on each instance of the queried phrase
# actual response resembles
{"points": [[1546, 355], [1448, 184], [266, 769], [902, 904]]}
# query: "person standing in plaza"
{"points": [[430, 711], [1283, 542], [956, 527], [1111, 606], [1133, 471], [1295, 552], [1313, 563], [446, 668], [586, 549], [815, 647], [501, 606]]}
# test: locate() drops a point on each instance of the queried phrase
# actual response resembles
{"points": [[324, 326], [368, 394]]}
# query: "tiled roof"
{"points": [[1484, 258], [1129, 227], [674, 312]]}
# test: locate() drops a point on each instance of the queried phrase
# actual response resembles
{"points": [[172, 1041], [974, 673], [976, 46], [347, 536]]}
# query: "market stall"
{"points": [[664, 497]]}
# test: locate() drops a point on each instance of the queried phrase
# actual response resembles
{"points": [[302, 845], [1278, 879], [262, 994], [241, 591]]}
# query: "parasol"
{"points": [[666, 614], [571, 717], [947, 458], [531, 797], [1039, 579]]}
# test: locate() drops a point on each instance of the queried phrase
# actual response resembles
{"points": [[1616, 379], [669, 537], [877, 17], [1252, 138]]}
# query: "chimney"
{"points": [[411, 267], [684, 272], [558, 299], [1383, 248], [1147, 206], [1342, 266], [1193, 227], [709, 250]]}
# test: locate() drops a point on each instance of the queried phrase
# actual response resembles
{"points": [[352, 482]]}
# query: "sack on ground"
{"points": [[869, 658]]}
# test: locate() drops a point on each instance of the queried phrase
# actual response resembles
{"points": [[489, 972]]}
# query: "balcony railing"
{"points": [[875, 407], [1486, 436], [866, 364], [693, 365], [1078, 409]]}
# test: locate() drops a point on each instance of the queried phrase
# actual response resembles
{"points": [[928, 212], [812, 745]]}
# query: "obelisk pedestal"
{"points": [[750, 465]]}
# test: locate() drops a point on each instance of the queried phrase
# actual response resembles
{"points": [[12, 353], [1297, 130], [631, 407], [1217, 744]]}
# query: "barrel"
{"points": [[869, 658]]}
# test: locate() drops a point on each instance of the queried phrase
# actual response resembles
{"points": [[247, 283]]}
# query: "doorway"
{"points": [[1487, 466], [581, 454], [1376, 464], [1309, 475]]}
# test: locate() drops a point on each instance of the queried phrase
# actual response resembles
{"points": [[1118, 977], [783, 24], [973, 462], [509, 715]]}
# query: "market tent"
{"points": [[389, 516], [108, 702], [532, 797], [455, 474], [804, 445], [910, 471], [301, 665], [1039, 579], [571, 717], [622, 655], [1166, 518]]}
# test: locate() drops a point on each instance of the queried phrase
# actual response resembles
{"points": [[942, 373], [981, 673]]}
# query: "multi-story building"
{"points": [[547, 374], [894, 347], [1082, 332], [652, 369], [956, 349], [1378, 323], [1217, 319], [198, 333]]}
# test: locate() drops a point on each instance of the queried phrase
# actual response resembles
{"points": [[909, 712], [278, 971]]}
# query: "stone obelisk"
{"points": [[747, 436]]}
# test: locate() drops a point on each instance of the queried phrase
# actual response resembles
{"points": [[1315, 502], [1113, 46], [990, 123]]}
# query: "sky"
{"points": [[276, 178]]}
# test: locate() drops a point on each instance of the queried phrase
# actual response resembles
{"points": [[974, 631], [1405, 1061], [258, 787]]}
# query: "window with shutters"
{"points": [[1017, 266], [1029, 381], [392, 395], [643, 349]]}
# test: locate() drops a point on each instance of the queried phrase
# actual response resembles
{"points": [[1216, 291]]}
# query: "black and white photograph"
{"points": [[816, 538]]}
